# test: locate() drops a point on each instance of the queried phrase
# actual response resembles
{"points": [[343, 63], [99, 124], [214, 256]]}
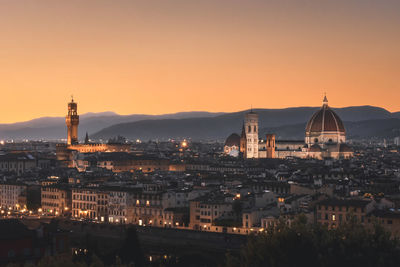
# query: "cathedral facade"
{"points": [[325, 137]]}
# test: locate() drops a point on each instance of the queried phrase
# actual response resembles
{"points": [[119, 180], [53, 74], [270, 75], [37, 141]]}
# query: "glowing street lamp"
{"points": [[184, 144]]}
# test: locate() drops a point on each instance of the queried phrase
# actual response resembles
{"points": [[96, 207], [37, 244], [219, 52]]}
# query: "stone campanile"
{"points": [[72, 121], [251, 129]]}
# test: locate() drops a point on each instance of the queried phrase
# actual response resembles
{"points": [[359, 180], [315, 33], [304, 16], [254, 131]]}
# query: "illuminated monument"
{"points": [[72, 121], [325, 137], [66, 152], [251, 131]]}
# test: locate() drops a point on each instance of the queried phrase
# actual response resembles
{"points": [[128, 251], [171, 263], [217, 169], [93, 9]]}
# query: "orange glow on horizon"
{"points": [[157, 57]]}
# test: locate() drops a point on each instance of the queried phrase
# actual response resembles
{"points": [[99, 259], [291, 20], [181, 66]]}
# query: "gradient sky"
{"points": [[161, 56]]}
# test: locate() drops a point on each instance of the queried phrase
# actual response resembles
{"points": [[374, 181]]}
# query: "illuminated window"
{"points": [[333, 217]]}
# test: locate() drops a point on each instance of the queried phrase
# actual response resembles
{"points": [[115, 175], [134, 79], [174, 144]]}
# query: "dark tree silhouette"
{"points": [[304, 244], [131, 251]]}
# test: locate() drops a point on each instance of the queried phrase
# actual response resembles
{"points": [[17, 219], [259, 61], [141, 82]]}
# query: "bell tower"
{"points": [[251, 130], [270, 146], [72, 122]]}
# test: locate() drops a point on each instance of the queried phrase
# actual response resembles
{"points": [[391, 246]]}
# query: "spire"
{"points": [[87, 138], [325, 101], [72, 98], [243, 135], [251, 110]]}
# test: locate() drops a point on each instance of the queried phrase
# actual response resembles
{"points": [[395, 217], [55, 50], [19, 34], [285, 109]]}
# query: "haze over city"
{"points": [[132, 57]]}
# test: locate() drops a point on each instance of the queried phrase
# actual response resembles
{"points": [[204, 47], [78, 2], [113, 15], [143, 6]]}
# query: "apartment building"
{"points": [[13, 195], [332, 212], [56, 200], [84, 203]]}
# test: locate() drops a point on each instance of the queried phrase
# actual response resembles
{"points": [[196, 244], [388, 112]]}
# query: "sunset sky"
{"points": [[162, 56]]}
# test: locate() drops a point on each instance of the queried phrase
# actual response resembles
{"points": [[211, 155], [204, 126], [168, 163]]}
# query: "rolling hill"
{"points": [[54, 127], [288, 123]]}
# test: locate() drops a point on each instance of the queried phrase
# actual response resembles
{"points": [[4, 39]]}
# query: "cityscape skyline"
{"points": [[186, 133], [196, 56]]}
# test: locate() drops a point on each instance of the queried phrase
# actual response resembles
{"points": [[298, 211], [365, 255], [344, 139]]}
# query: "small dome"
{"points": [[325, 120], [233, 140]]}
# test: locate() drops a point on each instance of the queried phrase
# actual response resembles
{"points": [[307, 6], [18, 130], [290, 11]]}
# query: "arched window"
{"points": [[330, 140], [255, 128], [316, 140], [249, 129]]}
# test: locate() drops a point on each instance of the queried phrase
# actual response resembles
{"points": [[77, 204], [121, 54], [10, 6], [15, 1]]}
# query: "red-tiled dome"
{"points": [[233, 140], [325, 120]]}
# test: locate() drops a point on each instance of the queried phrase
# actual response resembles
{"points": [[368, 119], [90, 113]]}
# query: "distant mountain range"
{"points": [[288, 123], [54, 127]]}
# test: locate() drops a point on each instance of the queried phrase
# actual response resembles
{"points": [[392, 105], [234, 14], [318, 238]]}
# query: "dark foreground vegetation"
{"points": [[301, 244], [304, 244]]}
